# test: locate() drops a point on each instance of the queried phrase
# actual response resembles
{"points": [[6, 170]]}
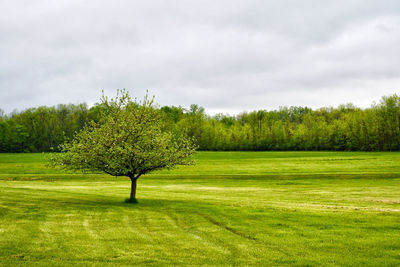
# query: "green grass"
{"points": [[232, 208]]}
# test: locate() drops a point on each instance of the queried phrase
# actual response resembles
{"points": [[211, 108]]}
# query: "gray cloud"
{"points": [[227, 56]]}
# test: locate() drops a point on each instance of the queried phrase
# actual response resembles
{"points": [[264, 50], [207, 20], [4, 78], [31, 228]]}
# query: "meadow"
{"points": [[231, 208]]}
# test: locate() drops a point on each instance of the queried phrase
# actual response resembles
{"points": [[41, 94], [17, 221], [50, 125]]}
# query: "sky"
{"points": [[227, 56]]}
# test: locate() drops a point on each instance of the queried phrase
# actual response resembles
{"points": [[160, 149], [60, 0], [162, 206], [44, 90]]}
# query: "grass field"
{"points": [[232, 208]]}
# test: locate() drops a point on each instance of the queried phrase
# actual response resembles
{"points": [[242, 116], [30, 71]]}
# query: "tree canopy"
{"points": [[129, 140], [346, 127]]}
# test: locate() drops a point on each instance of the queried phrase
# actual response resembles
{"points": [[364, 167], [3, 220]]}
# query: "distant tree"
{"points": [[193, 123], [129, 141], [172, 113]]}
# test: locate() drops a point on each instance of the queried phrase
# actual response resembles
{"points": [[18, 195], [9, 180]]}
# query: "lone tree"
{"points": [[128, 141]]}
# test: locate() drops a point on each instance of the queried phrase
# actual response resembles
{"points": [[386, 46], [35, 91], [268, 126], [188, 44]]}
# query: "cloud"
{"points": [[227, 56]]}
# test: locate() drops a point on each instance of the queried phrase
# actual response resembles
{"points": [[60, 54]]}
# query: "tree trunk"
{"points": [[133, 188]]}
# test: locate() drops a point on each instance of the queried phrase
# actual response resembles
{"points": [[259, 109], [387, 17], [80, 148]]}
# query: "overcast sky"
{"points": [[227, 56]]}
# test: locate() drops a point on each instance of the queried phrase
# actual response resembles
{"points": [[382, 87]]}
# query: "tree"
{"points": [[129, 140]]}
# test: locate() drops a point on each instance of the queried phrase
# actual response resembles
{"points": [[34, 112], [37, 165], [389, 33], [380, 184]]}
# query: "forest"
{"points": [[344, 128]]}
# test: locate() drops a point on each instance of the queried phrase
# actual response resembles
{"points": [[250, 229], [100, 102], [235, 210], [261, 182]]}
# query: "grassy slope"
{"points": [[241, 208]]}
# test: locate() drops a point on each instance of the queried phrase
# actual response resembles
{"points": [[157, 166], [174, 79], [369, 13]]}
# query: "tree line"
{"points": [[344, 128]]}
